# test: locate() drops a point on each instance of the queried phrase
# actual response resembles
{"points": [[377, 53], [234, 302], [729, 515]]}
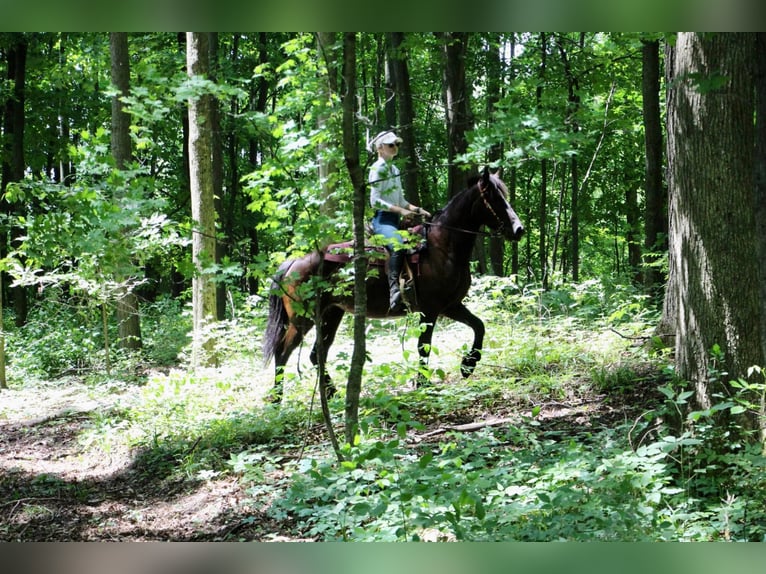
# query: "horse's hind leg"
{"points": [[331, 319], [294, 334], [427, 324], [461, 314]]}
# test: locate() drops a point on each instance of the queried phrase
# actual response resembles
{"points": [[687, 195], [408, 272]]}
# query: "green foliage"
{"points": [[641, 480], [64, 336], [61, 335], [523, 483], [658, 470], [95, 234], [285, 189]]}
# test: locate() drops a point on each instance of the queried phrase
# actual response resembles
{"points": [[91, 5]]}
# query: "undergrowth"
{"points": [[595, 439]]}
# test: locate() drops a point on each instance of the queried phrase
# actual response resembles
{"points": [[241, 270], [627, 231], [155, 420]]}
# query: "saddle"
{"points": [[344, 253]]}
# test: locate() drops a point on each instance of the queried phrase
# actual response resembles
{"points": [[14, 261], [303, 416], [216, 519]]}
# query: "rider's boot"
{"points": [[395, 263]]}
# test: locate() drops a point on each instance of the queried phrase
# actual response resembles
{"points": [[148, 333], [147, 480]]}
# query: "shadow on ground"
{"points": [[54, 489]]}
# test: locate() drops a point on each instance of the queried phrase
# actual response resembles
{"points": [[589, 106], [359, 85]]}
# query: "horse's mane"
{"points": [[473, 181]]}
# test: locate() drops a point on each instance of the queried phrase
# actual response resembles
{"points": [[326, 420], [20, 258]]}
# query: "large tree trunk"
{"points": [[573, 87], [459, 120], [221, 247], [655, 212], [129, 326], [495, 76], [406, 123], [328, 167], [12, 151], [543, 212], [760, 173], [201, 181], [713, 241]]}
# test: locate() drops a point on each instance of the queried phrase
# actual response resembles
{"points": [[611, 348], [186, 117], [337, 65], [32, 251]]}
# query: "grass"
{"points": [[584, 452]]}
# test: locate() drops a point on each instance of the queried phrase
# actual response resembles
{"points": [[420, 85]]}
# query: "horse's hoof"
{"points": [[468, 365], [274, 397], [423, 382], [330, 390]]}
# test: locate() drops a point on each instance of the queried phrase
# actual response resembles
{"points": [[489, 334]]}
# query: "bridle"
{"points": [[500, 223], [494, 233]]}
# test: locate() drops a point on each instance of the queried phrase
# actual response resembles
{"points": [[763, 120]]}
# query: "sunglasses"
{"points": [[393, 145]]}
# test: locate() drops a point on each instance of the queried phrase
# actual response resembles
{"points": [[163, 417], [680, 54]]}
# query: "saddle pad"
{"points": [[344, 252]]}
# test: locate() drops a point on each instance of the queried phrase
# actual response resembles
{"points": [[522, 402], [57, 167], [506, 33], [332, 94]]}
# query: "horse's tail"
{"points": [[277, 321]]}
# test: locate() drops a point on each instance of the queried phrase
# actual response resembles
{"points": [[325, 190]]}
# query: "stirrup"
{"points": [[397, 305]]}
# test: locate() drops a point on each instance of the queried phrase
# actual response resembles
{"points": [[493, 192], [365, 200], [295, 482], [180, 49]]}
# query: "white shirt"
{"points": [[385, 186]]}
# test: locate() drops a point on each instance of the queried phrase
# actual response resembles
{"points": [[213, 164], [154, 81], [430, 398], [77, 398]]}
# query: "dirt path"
{"points": [[53, 488]]}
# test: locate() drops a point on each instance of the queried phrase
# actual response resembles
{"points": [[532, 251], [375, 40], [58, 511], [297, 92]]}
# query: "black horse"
{"points": [[441, 280]]}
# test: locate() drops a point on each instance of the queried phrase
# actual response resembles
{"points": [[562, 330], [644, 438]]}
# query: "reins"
{"points": [[495, 233], [461, 230]]}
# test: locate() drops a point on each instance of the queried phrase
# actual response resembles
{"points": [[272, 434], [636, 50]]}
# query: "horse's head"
{"points": [[499, 216]]}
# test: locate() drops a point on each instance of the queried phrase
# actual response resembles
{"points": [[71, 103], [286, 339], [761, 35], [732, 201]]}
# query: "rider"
{"points": [[387, 198]]}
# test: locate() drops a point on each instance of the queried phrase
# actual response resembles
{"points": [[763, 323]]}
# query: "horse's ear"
{"points": [[499, 172], [485, 175]]}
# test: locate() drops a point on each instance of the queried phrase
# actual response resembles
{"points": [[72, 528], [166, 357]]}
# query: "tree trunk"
{"points": [[389, 82], [129, 326], [665, 332], [221, 249], [573, 88], [328, 168], [515, 244], [351, 155], [655, 212], [495, 75], [575, 220], [713, 241], [760, 174], [558, 220], [3, 379], [201, 180], [543, 211], [12, 151], [406, 123], [459, 120]]}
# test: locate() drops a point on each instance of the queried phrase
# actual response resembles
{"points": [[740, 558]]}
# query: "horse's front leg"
{"points": [[427, 324], [461, 314]]}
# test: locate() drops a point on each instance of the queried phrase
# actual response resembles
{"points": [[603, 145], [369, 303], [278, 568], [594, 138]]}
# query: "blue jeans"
{"points": [[386, 223]]}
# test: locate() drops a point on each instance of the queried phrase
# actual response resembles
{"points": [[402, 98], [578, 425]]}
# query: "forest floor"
{"points": [[54, 488], [68, 472]]}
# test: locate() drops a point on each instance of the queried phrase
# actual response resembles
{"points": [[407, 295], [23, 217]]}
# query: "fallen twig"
{"points": [[466, 427]]}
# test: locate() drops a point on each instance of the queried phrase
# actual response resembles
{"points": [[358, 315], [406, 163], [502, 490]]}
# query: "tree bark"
{"points": [[351, 155], [129, 325], [459, 120], [406, 124], [655, 211], [573, 87], [713, 242], [12, 151], [216, 137], [495, 74], [633, 231], [760, 175], [543, 211], [327, 166], [201, 181]]}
